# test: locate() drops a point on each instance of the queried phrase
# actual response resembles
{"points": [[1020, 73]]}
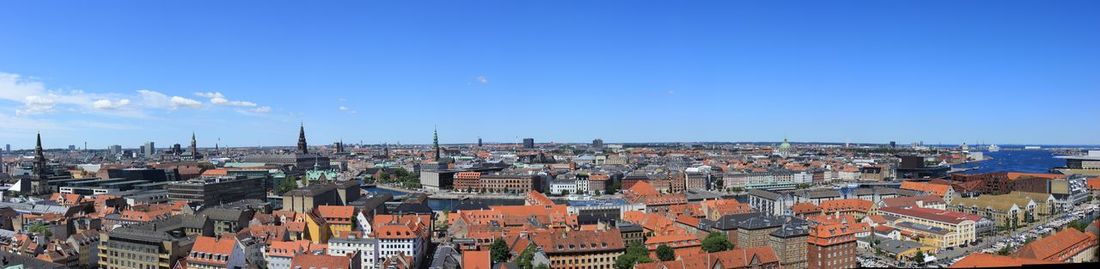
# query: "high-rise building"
{"points": [[529, 143], [115, 149], [7, 148], [72, 147], [597, 143], [479, 142], [149, 149]]}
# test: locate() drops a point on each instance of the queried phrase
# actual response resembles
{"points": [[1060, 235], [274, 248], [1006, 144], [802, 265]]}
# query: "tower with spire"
{"points": [[302, 139], [435, 144], [194, 145], [39, 184]]}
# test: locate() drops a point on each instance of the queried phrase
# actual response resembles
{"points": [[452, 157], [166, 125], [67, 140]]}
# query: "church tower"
{"points": [[194, 146], [302, 139], [435, 143], [39, 184]]}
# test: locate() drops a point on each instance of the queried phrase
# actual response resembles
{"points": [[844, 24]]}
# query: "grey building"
{"points": [[529, 143], [148, 149], [217, 190]]}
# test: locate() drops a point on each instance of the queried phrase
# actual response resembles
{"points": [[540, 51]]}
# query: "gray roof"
{"points": [[731, 222], [791, 230], [764, 194], [224, 214], [11, 259], [818, 194], [896, 246]]}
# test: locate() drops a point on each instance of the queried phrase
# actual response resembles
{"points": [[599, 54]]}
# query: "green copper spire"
{"points": [[435, 143]]}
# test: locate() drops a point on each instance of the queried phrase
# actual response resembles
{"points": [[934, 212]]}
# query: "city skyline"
{"points": [[860, 72]]}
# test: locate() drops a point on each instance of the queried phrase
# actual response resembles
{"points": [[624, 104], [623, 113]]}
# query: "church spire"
{"points": [[39, 158], [194, 145], [302, 139], [435, 143]]}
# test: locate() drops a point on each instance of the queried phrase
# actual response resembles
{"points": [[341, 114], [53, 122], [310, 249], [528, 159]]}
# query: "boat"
{"points": [[994, 148], [1032, 147]]}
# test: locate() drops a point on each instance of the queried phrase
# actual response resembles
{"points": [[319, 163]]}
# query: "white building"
{"points": [[367, 248], [563, 186]]}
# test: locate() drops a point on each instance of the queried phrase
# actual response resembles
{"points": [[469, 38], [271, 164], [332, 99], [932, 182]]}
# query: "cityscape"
{"points": [[549, 135]]}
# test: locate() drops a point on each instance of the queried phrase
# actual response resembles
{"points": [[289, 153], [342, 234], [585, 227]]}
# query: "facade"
{"points": [[152, 245], [306, 198], [217, 190], [405, 235], [349, 243], [467, 181], [580, 249], [211, 253], [955, 228], [831, 244], [1011, 211], [770, 203], [754, 232], [507, 183], [789, 243]]}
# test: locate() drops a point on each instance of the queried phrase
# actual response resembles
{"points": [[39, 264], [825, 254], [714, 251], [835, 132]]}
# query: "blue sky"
{"points": [[123, 72]]}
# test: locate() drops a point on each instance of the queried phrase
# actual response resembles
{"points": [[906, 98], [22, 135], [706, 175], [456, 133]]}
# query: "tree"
{"points": [[542, 266], [40, 228], [1004, 251], [525, 257], [499, 251], [635, 253], [665, 253], [919, 257], [716, 242], [287, 184]]}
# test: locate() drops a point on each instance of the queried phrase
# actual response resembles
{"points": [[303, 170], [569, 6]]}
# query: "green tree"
{"points": [[287, 184], [716, 242], [499, 251], [635, 253], [1004, 251], [919, 257], [525, 257], [665, 253], [542, 266], [40, 228]]}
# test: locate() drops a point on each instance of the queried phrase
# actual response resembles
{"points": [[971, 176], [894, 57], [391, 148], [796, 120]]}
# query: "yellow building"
{"points": [[1011, 211], [340, 219], [318, 229], [939, 228]]}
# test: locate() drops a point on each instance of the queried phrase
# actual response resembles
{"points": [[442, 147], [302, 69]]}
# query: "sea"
{"points": [[1014, 160]]}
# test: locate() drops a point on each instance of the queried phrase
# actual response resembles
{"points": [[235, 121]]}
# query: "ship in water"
{"points": [[994, 148]]}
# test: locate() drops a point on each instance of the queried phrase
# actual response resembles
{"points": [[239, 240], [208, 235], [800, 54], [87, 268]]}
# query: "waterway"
{"points": [[1016, 160]]}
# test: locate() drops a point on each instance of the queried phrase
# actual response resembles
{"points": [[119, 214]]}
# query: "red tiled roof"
{"points": [[478, 259], [932, 214], [729, 259], [320, 261], [937, 189], [1058, 247]]}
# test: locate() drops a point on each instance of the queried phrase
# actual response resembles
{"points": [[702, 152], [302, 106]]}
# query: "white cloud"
{"points": [[482, 80], [262, 109], [107, 104], [346, 110], [180, 101], [154, 99], [218, 98]]}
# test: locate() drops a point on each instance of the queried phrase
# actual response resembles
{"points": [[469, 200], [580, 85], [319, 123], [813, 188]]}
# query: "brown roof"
{"points": [[555, 242], [320, 261], [476, 259], [729, 259], [1059, 246]]}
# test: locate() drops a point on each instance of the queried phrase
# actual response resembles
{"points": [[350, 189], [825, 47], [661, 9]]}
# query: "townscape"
{"points": [[542, 205]]}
